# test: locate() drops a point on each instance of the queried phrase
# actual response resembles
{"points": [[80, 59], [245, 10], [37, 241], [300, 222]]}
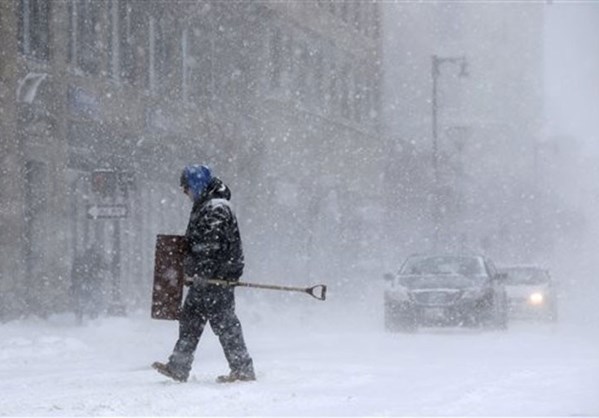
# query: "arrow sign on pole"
{"points": [[106, 211]]}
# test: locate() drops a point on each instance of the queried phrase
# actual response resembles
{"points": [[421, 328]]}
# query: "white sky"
{"points": [[572, 70]]}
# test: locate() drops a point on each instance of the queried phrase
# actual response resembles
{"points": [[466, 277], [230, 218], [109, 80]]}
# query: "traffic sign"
{"points": [[106, 211], [104, 182]]}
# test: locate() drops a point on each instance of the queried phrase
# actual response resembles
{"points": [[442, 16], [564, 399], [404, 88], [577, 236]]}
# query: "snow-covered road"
{"points": [[306, 366]]}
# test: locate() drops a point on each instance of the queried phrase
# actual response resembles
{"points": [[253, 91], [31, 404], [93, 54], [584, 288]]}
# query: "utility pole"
{"points": [[436, 63]]}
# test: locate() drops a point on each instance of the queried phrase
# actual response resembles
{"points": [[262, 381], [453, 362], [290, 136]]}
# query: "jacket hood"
{"points": [[216, 189]]}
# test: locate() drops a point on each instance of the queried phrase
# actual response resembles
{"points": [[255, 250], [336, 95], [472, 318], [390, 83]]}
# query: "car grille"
{"points": [[435, 297]]}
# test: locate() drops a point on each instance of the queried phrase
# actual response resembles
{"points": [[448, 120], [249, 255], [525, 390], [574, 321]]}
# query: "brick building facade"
{"points": [[281, 98]]}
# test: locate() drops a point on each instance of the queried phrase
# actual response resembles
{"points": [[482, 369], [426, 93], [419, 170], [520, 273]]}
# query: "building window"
{"points": [[130, 29], [36, 198], [130, 38], [289, 58], [358, 98], [358, 16], [318, 77], [301, 67], [165, 40], [129, 24], [344, 10], [34, 28], [196, 47], [137, 45], [85, 23], [276, 61], [332, 98], [375, 22], [372, 100], [370, 20], [345, 94], [332, 7]]}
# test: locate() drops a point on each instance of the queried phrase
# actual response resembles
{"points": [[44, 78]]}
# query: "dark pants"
{"points": [[214, 304]]}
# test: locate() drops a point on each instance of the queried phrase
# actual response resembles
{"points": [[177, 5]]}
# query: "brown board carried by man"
{"points": [[167, 293]]}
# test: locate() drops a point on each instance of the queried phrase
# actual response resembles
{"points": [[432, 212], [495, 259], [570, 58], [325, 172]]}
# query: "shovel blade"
{"points": [[318, 292]]}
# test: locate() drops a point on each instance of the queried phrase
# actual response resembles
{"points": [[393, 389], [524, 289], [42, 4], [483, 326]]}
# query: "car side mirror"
{"points": [[388, 277]]}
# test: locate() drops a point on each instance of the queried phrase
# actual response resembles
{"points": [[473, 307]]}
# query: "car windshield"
{"points": [[466, 266], [525, 276]]}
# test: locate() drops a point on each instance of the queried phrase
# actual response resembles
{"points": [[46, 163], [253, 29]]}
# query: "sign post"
{"points": [[109, 186]]}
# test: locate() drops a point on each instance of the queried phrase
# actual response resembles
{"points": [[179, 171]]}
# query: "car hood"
{"points": [[445, 281]]}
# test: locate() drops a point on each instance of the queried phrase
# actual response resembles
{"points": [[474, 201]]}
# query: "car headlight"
{"points": [[536, 298]]}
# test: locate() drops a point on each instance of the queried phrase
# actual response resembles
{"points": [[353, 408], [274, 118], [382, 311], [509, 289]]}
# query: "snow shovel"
{"points": [[318, 292]]}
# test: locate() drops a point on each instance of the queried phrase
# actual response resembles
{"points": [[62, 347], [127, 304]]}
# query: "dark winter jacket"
{"points": [[213, 237]]}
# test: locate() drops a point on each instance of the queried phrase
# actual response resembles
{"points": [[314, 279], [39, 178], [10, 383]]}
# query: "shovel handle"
{"points": [[312, 291], [318, 292]]}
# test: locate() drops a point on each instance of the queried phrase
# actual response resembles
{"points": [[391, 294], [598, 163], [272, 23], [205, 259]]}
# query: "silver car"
{"points": [[445, 290], [531, 293]]}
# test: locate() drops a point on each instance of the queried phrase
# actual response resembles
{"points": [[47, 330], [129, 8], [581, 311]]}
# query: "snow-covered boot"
{"points": [[166, 370], [235, 376]]}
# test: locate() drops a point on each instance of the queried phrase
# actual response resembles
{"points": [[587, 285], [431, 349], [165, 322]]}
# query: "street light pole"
{"points": [[435, 72]]}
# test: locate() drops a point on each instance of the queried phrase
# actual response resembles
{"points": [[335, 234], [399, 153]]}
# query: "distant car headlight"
{"points": [[536, 298]]}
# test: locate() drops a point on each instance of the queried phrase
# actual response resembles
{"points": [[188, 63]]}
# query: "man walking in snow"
{"points": [[214, 252]]}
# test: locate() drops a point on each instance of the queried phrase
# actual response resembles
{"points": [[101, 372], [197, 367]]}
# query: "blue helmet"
{"points": [[196, 178]]}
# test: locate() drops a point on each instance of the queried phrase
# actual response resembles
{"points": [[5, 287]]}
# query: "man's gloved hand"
{"points": [[196, 281]]}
